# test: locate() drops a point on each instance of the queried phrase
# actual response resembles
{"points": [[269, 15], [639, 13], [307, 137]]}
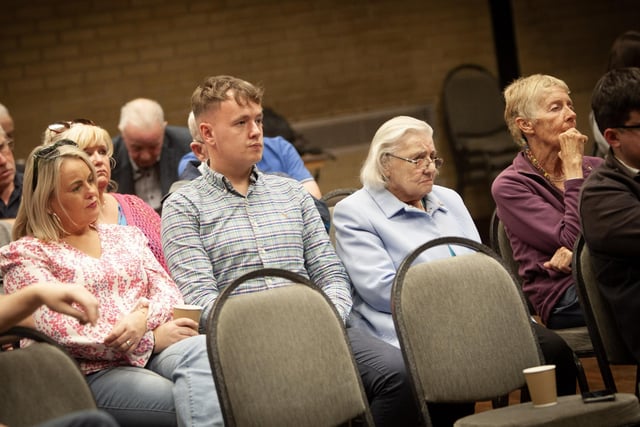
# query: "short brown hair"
{"points": [[214, 90]]}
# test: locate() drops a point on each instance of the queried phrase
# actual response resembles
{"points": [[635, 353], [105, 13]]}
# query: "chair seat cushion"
{"points": [[569, 412], [577, 338]]}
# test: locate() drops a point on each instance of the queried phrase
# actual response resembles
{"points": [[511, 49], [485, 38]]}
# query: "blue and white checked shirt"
{"points": [[211, 235]]}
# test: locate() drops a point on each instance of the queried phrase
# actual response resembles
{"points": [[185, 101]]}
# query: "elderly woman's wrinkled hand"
{"points": [[572, 141], [571, 152], [560, 261]]}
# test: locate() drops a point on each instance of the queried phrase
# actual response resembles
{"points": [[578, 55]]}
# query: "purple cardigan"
{"points": [[538, 219]]}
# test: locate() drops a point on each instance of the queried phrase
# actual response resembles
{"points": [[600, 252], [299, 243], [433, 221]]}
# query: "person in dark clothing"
{"points": [[610, 201], [10, 179], [147, 151]]}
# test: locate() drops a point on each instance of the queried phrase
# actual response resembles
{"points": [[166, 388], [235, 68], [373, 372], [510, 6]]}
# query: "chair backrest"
{"points": [[473, 102], [6, 228], [281, 357], [463, 326], [331, 199], [473, 108], [334, 196], [500, 243], [39, 382], [608, 344]]}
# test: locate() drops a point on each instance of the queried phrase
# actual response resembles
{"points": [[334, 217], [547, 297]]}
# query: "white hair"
{"points": [[387, 138], [193, 127], [4, 111], [141, 113]]}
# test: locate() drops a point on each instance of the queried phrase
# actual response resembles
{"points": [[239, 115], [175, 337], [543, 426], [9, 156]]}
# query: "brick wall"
{"points": [[71, 59], [316, 59]]}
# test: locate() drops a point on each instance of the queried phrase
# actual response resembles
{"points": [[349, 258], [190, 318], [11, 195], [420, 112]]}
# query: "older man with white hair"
{"points": [[6, 121], [147, 151]]}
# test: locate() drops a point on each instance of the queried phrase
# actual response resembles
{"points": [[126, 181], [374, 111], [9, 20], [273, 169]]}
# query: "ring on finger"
{"points": [[128, 342]]}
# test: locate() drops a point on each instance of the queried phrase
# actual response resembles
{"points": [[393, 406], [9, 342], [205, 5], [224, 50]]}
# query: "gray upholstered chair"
{"points": [[458, 347], [6, 227], [473, 108], [39, 382], [281, 357], [609, 346], [577, 338], [334, 196], [331, 198]]}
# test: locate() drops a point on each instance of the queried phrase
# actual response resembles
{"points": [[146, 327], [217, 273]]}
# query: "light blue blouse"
{"points": [[375, 231]]}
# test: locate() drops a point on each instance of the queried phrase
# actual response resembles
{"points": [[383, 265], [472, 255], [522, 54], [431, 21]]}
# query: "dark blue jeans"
{"points": [[567, 313]]}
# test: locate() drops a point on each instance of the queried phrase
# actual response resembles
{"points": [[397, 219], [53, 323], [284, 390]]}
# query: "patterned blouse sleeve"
{"points": [[26, 262], [163, 293]]}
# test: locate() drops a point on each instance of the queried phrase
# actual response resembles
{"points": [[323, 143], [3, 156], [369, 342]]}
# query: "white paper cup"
{"points": [[189, 311], [541, 381]]}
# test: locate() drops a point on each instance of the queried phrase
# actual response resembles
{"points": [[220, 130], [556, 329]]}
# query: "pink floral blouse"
{"points": [[126, 277]]}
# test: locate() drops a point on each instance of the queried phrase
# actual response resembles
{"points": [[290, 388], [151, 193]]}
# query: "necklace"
{"points": [[539, 168]]}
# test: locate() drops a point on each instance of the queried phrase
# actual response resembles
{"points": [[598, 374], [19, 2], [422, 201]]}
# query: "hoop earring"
{"points": [[112, 187], [112, 162], [56, 221]]}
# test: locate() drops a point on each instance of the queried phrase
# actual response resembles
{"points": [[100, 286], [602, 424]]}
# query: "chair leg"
{"points": [[500, 401], [583, 384]]}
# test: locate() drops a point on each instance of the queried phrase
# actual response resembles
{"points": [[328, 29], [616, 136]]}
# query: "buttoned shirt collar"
{"points": [[391, 205]]}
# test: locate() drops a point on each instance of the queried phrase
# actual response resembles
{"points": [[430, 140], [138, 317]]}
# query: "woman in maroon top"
{"points": [[537, 196]]}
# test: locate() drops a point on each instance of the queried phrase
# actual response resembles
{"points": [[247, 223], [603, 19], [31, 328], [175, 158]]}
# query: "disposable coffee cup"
{"points": [[189, 311], [541, 381]]}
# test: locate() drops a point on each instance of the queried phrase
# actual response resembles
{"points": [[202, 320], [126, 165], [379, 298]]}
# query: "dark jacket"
{"points": [[176, 144], [10, 210], [610, 216]]}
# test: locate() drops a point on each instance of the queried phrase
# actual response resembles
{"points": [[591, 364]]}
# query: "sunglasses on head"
{"points": [[48, 152], [59, 127]]}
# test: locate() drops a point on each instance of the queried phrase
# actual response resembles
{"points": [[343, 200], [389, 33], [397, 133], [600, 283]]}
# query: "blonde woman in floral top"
{"points": [[115, 208], [142, 366]]}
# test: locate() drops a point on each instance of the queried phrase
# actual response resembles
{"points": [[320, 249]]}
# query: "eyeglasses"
{"points": [[6, 146], [627, 126], [59, 127], [421, 163], [48, 152]]}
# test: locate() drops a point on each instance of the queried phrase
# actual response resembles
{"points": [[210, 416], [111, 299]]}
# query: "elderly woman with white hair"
{"points": [[398, 209]]}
